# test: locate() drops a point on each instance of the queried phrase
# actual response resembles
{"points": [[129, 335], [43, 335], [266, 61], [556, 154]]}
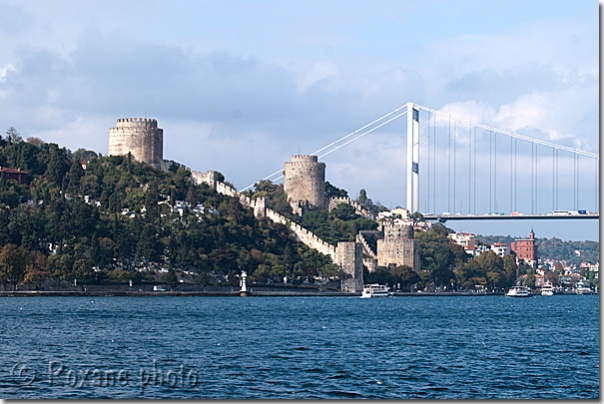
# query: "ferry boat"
{"points": [[519, 291], [547, 289], [375, 290]]}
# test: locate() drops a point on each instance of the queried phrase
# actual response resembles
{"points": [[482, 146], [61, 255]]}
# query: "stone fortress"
{"points": [[139, 136], [304, 183]]}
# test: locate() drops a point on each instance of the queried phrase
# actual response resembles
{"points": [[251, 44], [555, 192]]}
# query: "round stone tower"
{"points": [[139, 136], [304, 182]]}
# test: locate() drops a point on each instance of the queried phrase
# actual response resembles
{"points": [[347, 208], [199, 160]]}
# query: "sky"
{"points": [[241, 86]]}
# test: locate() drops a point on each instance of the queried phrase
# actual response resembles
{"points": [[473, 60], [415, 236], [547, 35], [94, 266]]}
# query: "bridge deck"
{"points": [[444, 218]]}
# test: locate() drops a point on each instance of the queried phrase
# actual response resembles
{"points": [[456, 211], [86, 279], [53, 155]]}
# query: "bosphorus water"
{"points": [[299, 347]]}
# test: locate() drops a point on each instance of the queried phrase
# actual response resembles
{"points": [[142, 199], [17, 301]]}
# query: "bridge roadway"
{"points": [[547, 216]]}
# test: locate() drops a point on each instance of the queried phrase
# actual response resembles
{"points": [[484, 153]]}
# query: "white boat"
{"points": [[375, 290], [547, 289], [583, 288], [519, 291]]}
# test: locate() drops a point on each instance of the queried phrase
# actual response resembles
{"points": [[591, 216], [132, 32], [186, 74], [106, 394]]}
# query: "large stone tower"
{"points": [[304, 182], [139, 136]]}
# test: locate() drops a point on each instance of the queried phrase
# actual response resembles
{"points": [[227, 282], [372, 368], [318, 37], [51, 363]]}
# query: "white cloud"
{"points": [[5, 70]]}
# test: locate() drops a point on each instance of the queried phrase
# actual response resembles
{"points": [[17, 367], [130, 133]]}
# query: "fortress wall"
{"points": [[225, 189], [210, 178], [139, 136], [303, 235], [366, 248], [260, 209], [349, 256], [371, 264], [334, 201]]}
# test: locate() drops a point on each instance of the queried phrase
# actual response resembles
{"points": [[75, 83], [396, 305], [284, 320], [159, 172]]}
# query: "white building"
{"points": [[500, 249], [463, 239], [585, 266]]}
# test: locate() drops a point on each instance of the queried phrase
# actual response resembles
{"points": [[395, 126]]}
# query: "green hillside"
{"points": [[119, 220]]}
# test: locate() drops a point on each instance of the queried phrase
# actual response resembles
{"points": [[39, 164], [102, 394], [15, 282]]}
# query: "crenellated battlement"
{"points": [[304, 158], [143, 123]]}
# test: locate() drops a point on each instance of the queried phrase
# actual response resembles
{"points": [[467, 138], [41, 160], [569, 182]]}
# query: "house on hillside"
{"points": [[12, 174]]}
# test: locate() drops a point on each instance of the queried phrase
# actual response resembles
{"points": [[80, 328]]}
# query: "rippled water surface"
{"points": [[299, 347]]}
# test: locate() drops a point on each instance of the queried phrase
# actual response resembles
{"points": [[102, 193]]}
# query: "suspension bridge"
{"points": [[473, 171]]}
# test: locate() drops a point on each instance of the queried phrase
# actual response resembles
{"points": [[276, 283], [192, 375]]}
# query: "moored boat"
{"points": [[547, 289], [375, 290], [583, 288], [519, 291]]}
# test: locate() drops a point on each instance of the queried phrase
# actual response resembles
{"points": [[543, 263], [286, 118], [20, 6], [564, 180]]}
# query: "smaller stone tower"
{"points": [[304, 183], [398, 247], [139, 136]]}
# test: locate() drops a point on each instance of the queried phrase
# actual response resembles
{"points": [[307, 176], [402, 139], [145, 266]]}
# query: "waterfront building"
{"points": [[525, 249]]}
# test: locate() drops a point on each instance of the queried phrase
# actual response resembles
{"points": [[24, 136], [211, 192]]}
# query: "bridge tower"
{"points": [[412, 158]]}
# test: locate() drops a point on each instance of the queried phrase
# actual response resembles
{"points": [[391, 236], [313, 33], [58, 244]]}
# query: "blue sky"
{"points": [[240, 86]]}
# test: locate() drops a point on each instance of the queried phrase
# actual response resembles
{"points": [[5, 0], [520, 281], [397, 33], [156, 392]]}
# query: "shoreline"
{"points": [[252, 293]]}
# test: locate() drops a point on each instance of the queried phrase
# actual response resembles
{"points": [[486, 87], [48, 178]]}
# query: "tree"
{"points": [[362, 199], [405, 275], [57, 165], [151, 200], [37, 268], [13, 135], [344, 212], [510, 268], [418, 217], [75, 175], [333, 191], [82, 269], [36, 141], [12, 264], [553, 278], [170, 278], [202, 279]]}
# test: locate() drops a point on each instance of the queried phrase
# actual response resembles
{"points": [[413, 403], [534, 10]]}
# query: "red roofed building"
{"points": [[12, 174], [525, 249]]}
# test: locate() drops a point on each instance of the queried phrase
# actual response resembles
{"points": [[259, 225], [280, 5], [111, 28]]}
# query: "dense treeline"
{"points": [[107, 222], [446, 263], [340, 224]]}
